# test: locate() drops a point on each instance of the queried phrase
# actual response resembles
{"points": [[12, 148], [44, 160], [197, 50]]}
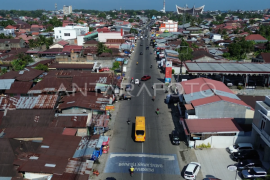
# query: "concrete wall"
{"points": [[102, 37], [224, 141], [105, 63], [221, 109]]}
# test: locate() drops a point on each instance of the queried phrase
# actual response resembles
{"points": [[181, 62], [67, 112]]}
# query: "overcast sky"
{"points": [[135, 4]]}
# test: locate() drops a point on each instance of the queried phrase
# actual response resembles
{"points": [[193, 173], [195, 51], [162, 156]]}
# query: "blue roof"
{"points": [[119, 59]]}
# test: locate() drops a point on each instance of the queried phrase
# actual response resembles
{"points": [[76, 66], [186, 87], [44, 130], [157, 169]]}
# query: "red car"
{"points": [[105, 69], [145, 78]]}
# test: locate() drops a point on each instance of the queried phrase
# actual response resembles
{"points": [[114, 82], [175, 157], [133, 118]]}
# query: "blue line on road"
{"points": [[143, 163]]}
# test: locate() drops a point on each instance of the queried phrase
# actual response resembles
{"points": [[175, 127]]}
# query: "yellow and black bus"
{"points": [[140, 129]]}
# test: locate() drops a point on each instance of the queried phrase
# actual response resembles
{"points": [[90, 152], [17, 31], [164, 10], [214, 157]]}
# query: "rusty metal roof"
{"points": [[37, 102], [29, 132], [75, 166], [19, 88], [51, 84], [69, 176], [71, 66], [69, 121], [53, 154], [7, 102], [91, 101], [69, 131], [27, 118], [25, 75]]}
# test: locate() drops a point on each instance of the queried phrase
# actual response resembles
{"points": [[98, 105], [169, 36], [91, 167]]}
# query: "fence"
{"points": [[224, 141], [252, 92]]}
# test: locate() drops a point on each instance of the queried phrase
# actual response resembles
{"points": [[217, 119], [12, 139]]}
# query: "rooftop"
{"points": [[213, 126], [28, 118], [236, 68]]}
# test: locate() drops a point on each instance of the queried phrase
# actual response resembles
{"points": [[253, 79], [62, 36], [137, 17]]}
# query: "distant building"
{"points": [[169, 25], [69, 32], [67, 9], [192, 11]]}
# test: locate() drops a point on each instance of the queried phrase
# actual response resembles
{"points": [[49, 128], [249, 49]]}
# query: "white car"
{"points": [[137, 81], [192, 170], [240, 146]]}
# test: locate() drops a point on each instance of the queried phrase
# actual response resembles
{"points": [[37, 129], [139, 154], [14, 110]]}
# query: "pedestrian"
{"points": [[128, 121], [153, 98], [139, 84], [157, 111]]}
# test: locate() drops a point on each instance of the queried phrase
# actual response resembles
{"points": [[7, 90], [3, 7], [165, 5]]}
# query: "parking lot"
{"points": [[214, 162]]}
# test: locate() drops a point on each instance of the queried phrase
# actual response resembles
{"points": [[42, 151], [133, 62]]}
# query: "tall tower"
{"points": [[55, 7], [163, 10]]}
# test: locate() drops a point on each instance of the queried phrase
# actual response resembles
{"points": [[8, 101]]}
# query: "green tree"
{"points": [[131, 20], [65, 17], [21, 62], [116, 65], [42, 67], [91, 29], [3, 71], [103, 49]]}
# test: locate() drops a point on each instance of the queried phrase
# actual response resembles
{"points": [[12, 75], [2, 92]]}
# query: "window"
{"points": [[66, 34], [56, 37], [59, 31], [262, 124]]}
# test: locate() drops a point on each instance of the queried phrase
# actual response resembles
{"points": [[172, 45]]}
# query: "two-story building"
{"points": [[261, 128], [69, 32], [8, 44]]}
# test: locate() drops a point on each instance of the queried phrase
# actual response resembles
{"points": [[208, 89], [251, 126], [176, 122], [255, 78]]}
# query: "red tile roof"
{"points": [[63, 43], [254, 37], [202, 84], [10, 27], [212, 125]]}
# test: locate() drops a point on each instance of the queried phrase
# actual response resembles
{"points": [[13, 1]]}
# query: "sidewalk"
{"points": [[103, 159]]}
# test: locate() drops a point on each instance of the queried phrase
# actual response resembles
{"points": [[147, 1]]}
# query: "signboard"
{"points": [[168, 72], [109, 108], [168, 80], [169, 64]]}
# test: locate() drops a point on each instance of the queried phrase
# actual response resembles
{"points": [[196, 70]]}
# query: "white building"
{"points": [[67, 9], [261, 128], [103, 36], [69, 32], [7, 32], [169, 25]]}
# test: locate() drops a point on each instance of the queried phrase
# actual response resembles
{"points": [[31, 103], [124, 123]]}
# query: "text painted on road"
{"points": [[143, 163]]}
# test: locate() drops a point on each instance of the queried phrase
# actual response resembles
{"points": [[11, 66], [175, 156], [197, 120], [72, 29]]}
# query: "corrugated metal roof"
{"points": [[70, 121], [6, 83], [84, 150], [37, 102], [69, 131], [69, 176], [75, 166], [212, 125]]}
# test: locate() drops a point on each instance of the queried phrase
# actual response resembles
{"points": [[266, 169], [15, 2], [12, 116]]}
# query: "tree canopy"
{"points": [[42, 67], [41, 40], [102, 48], [21, 61]]}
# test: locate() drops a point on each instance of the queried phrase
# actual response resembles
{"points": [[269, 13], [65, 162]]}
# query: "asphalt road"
{"points": [[156, 158]]}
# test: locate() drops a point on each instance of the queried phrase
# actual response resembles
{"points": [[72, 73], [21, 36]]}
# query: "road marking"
{"points": [[143, 163], [165, 157]]}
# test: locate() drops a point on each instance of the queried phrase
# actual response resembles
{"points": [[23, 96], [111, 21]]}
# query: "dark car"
{"points": [[253, 173], [245, 154], [248, 164], [175, 137], [145, 78], [141, 45], [141, 53]]}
